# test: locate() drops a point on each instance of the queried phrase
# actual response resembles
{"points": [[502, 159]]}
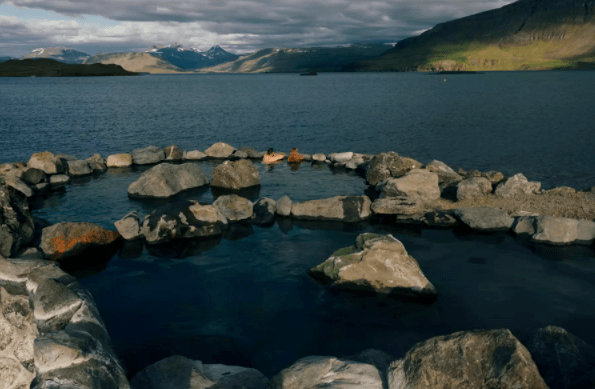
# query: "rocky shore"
{"points": [[52, 334]]}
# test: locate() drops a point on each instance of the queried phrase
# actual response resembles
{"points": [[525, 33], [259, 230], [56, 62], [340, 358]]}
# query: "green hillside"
{"points": [[525, 35]]}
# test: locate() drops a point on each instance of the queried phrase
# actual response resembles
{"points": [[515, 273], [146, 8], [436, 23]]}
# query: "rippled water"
{"points": [[247, 299], [537, 123]]}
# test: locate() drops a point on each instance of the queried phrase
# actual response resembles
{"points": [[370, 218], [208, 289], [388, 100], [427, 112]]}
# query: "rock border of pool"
{"points": [[52, 334]]}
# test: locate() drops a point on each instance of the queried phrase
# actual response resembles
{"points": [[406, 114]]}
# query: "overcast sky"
{"points": [[240, 26]]}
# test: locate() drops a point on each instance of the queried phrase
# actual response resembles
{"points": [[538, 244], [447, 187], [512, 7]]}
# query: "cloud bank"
{"points": [[239, 26]]}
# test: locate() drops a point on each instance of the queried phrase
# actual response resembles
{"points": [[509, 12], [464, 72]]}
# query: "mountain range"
{"points": [[527, 34], [192, 58], [524, 35], [61, 54], [281, 60]]}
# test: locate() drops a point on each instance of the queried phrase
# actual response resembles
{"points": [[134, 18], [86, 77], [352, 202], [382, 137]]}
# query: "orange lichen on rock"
{"points": [[78, 242]]}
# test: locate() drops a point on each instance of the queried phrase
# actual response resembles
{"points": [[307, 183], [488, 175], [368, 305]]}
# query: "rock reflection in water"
{"points": [[183, 248]]}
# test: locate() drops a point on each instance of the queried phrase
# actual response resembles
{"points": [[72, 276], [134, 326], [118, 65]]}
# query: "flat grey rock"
{"points": [[235, 175], [147, 156], [555, 230], [129, 226], [78, 168], [418, 184], [166, 180], [220, 150], [517, 185], [339, 208], [119, 160], [472, 188], [327, 372], [485, 219], [59, 180], [235, 208]]}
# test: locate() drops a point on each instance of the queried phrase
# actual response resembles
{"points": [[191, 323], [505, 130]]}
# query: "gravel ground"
{"points": [[562, 203]]}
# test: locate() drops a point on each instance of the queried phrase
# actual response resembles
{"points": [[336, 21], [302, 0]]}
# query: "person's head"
{"points": [[294, 149], [270, 151]]}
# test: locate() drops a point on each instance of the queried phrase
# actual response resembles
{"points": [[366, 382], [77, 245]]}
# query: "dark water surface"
{"points": [[247, 299], [537, 123]]}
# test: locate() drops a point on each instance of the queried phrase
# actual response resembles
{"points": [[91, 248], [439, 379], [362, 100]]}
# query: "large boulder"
{"points": [[485, 219], [220, 150], [17, 334], [178, 372], [183, 219], [327, 372], [473, 187], [446, 175], [234, 207], [78, 168], [129, 226], [47, 162], [377, 263], [16, 223], [119, 160], [19, 185], [386, 165], [173, 153], [50, 326], [418, 184], [318, 157], [67, 240], [517, 185], [166, 180], [263, 212], [466, 360], [339, 208], [147, 156], [561, 357], [31, 176], [235, 175]]}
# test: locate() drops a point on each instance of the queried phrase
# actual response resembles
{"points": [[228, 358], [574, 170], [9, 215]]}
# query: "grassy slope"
{"points": [[136, 62], [518, 38], [51, 68]]}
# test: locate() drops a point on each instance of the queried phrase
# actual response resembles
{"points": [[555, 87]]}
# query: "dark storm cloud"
{"points": [[270, 23]]}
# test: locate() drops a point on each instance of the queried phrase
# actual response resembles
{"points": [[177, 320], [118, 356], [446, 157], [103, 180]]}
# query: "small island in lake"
{"points": [[50, 68]]}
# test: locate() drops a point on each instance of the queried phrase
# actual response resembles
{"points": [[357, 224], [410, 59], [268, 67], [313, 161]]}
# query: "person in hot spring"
{"points": [[271, 157], [294, 156]]}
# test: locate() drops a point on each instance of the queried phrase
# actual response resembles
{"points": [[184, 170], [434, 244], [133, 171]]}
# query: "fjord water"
{"points": [[247, 299]]}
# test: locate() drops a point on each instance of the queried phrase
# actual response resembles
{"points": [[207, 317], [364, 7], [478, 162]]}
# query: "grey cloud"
{"points": [[280, 23]]}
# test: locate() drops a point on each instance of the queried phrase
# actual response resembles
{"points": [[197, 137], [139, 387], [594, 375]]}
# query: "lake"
{"points": [[247, 299]]}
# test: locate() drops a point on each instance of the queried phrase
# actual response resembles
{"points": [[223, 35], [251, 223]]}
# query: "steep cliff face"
{"points": [[527, 34]]}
